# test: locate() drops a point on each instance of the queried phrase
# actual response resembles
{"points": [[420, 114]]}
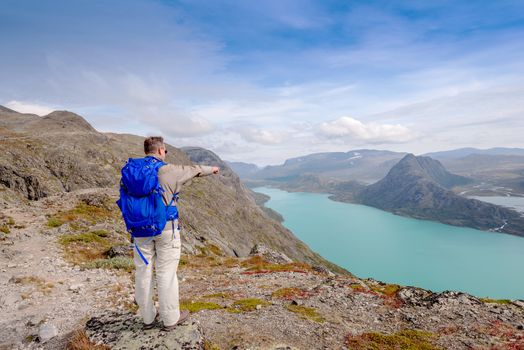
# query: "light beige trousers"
{"points": [[163, 253]]}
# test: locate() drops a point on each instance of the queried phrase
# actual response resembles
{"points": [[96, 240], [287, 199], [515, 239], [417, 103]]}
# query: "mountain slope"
{"points": [[416, 187], [361, 165], [65, 154], [244, 170]]}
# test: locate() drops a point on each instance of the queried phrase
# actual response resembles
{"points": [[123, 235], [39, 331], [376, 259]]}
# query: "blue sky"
{"points": [[268, 80]]}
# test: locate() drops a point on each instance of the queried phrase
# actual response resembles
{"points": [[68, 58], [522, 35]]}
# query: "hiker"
{"points": [[162, 250]]}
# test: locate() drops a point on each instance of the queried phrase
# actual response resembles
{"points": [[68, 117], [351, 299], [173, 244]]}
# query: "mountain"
{"points": [[61, 153], [244, 170], [360, 165], [497, 171], [419, 187], [67, 274], [463, 152]]}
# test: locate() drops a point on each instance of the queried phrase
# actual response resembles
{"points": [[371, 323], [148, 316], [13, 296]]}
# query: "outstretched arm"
{"points": [[182, 173]]}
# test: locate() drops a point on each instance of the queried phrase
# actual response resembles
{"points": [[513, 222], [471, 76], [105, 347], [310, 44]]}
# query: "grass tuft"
{"points": [[258, 264], [408, 339], [291, 293], [116, 263], [246, 305], [496, 301], [306, 312], [217, 295], [80, 341], [81, 212], [195, 306], [81, 248]]}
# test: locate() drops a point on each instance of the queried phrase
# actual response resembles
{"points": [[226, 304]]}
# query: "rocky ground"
{"points": [[60, 289]]}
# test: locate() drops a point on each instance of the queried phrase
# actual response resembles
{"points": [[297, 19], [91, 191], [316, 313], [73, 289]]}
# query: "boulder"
{"points": [[120, 250], [46, 332], [124, 331], [269, 254]]}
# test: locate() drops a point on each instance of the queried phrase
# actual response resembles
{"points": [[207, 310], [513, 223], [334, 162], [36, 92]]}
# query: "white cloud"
{"points": [[265, 137], [176, 122], [353, 129], [24, 107]]}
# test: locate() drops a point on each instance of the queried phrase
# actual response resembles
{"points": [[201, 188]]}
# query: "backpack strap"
{"points": [[175, 196], [138, 249]]}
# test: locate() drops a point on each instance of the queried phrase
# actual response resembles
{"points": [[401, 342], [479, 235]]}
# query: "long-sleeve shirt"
{"points": [[172, 177]]}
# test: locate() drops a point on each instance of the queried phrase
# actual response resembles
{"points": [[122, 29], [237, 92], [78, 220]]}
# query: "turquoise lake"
{"points": [[373, 243]]}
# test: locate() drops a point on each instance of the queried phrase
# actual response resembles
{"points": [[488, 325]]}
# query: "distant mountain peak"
{"points": [[428, 168], [5, 109], [66, 120]]}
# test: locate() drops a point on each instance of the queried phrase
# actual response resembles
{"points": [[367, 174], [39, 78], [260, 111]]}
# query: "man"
{"points": [[163, 250]]}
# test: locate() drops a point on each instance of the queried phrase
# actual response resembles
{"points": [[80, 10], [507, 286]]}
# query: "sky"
{"points": [[263, 81]]}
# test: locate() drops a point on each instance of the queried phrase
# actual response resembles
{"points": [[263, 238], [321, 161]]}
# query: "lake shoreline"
{"points": [[326, 251]]}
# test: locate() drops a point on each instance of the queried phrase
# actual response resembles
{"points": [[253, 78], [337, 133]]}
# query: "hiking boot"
{"points": [[151, 325], [183, 316]]}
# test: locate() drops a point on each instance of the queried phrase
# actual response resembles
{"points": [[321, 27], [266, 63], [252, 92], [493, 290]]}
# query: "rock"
{"points": [[448, 298], [35, 320], [270, 255], [519, 303], [76, 287], [119, 250], [323, 269], [124, 331], [46, 332], [95, 199], [414, 296]]}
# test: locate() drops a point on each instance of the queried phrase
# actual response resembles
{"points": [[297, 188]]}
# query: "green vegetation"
{"points": [[258, 264], [81, 212], [305, 312], [89, 247], [5, 226], [116, 263], [246, 305], [290, 293], [87, 237], [407, 339], [496, 301], [210, 249], [195, 306], [386, 289], [217, 295], [208, 345], [54, 222]]}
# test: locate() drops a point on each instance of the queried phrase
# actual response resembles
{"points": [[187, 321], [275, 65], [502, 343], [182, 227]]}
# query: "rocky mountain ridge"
{"points": [[419, 187]]}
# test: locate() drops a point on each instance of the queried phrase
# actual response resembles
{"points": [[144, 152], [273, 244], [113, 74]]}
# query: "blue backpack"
{"points": [[141, 203]]}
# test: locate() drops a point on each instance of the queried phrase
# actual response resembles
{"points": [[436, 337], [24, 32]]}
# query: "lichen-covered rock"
{"points": [[124, 331], [119, 250], [269, 254]]}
